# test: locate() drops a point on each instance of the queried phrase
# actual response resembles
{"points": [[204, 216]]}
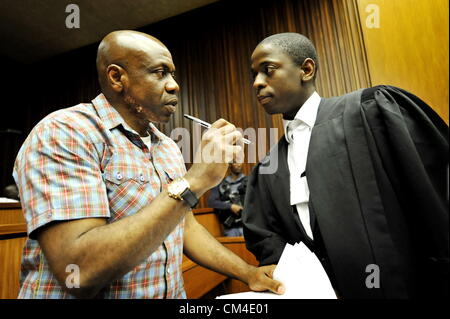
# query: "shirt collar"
{"points": [[307, 112], [109, 115]]}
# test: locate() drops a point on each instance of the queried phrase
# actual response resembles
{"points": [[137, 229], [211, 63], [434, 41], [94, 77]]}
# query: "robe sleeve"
{"points": [[260, 221]]}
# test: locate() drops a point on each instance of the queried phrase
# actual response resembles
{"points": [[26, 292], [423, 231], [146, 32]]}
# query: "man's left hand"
{"points": [[261, 279]]}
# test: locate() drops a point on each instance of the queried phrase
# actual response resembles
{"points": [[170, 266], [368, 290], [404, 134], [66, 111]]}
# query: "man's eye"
{"points": [[269, 69], [160, 73], [163, 73]]}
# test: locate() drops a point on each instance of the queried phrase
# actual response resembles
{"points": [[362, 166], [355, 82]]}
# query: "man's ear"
{"points": [[309, 70], [117, 77]]}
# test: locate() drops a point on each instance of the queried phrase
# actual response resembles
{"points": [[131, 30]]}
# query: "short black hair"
{"points": [[295, 45]]}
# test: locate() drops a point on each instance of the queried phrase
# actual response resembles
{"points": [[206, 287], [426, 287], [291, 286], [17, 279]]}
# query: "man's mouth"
{"points": [[172, 105], [264, 99], [172, 102]]}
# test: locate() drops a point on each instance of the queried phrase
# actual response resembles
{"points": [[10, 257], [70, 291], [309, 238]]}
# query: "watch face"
{"points": [[178, 186]]}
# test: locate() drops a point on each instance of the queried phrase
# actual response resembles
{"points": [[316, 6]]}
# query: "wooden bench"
{"points": [[198, 280]]}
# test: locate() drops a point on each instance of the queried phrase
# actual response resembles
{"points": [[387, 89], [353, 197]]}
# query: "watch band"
{"points": [[189, 197]]}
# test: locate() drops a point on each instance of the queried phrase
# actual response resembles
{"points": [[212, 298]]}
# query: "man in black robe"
{"points": [[373, 182]]}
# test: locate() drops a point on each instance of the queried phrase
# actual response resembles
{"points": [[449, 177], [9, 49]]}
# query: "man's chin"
{"points": [[271, 109]]}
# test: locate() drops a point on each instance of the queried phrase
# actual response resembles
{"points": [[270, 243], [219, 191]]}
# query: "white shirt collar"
{"points": [[307, 112]]}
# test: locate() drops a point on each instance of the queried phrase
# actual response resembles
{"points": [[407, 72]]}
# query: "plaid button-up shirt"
{"points": [[82, 162]]}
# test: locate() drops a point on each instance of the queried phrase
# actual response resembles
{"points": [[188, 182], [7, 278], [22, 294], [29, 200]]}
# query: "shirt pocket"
{"points": [[127, 185]]}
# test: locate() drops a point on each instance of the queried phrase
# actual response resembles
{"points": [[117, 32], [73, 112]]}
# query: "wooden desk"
{"points": [[13, 234]]}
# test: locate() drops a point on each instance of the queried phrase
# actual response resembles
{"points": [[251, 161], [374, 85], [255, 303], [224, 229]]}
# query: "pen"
{"points": [[207, 125]]}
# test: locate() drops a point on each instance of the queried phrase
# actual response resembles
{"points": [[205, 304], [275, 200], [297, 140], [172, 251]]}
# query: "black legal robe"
{"points": [[377, 170]]}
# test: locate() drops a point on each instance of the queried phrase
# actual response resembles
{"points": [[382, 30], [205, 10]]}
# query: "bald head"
{"points": [[123, 48]]}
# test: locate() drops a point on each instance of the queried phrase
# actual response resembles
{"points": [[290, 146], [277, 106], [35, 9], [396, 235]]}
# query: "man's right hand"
{"points": [[220, 145]]}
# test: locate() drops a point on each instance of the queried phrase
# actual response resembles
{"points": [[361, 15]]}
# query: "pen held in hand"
{"points": [[207, 125]]}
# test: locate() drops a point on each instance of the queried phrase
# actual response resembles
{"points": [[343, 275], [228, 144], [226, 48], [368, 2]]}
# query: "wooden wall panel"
{"points": [[12, 239], [409, 49], [10, 257]]}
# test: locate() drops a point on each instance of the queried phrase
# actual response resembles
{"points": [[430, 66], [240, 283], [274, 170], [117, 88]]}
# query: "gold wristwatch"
{"points": [[179, 189]]}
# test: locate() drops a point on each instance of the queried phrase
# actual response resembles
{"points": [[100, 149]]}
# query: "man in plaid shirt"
{"points": [[106, 194]]}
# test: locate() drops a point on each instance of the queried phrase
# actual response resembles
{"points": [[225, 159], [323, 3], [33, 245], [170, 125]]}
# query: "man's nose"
{"points": [[172, 85], [259, 82]]}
